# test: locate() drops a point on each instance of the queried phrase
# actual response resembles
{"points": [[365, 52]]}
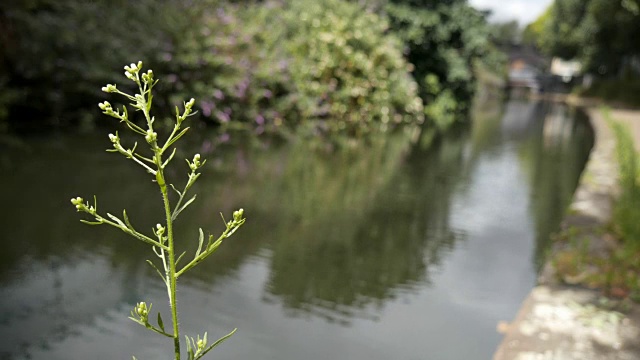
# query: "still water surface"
{"points": [[395, 251]]}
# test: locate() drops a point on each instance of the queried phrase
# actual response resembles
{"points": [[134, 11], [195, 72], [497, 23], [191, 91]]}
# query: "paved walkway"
{"points": [[560, 322]]}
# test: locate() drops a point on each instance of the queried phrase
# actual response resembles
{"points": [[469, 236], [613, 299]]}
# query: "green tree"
{"points": [[444, 40], [534, 32], [505, 33], [601, 33]]}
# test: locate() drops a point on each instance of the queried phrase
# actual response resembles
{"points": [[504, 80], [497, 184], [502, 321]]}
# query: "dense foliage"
{"points": [[445, 40], [263, 64], [328, 66], [601, 33]]}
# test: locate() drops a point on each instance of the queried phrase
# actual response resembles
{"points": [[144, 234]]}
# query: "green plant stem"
{"points": [[172, 263], [164, 246]]}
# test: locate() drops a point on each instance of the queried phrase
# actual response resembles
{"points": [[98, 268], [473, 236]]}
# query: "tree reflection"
{"points": [[553, 158], [366, 243]]}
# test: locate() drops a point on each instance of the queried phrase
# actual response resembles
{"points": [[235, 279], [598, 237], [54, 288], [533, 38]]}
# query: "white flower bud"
{"points": [[237, 215], [151, 136], [109, 88], [104, 106]]}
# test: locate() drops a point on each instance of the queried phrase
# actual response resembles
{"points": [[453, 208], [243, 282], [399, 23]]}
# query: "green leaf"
{"points": [[218, 342], [126, 219], [90, 222], [169, 158], [176, 190], [114, 218], [160, 322], [200, 241], [180, 257], [189, 349], [178, 211], [175, 138], [158, 270]]}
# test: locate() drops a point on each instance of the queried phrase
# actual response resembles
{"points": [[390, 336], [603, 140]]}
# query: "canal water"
{"points": [[393, 250]]}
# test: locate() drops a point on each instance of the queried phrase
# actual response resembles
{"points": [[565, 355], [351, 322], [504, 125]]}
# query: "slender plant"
{"points": [[162, 242]]}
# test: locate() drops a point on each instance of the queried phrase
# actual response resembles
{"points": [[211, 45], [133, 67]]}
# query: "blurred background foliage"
{"points": [[602, 34], [327, 67], [445, 41]]}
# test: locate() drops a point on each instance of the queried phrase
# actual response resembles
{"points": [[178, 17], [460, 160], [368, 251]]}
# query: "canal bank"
{"points": [[558, 321]]}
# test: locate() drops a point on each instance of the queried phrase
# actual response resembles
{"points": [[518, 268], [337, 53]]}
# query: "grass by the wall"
{"points": [[613, 265], [626, 213]]}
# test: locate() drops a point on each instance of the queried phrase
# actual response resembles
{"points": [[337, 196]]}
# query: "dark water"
{"points": [[394, 251]]}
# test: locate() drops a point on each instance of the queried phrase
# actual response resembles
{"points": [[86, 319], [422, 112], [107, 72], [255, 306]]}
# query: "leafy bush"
{"points": [[326, 65], [445, 41], [272, 66], [238, 69], [49, 45], [349, 74]]}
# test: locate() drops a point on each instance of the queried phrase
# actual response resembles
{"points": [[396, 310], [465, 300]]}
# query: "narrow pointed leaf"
{"points": [[173, 153], [114, 218], [178, 211], [175, 138], [144, 158], [158, 270], [218, 342], [91, 222], [200, 241], [189, 349], [180, 257], [126, 219], [176, 190], [160, 322]]}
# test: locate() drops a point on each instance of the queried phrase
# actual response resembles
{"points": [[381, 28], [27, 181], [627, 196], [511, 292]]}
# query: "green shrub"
{"points": [[445, 41], [272, 66], [350, 75], [50, 44], [325, 65]]}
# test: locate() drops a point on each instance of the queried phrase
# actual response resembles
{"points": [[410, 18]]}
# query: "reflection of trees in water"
{"points": [[554, 157], [364, 253], [348, 229], [553, 146], [293, 189], [39, 220], [55, 273]]}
